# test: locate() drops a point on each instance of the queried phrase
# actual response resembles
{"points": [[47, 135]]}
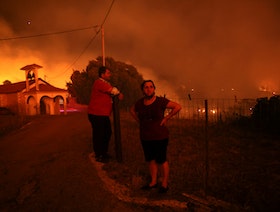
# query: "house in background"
{"points": [[33, 96]]}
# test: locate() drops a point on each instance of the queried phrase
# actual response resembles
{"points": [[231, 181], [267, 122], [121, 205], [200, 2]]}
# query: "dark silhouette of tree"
{"points": [[266, 114], [7, 82], [125, 77]]}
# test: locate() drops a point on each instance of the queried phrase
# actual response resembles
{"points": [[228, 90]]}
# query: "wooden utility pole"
{"points": [[116, 111], [117, 129], [206, 150], [103, 45]]}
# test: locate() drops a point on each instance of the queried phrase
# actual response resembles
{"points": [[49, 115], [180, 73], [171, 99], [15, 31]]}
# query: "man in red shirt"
{"points": [[99, 111]]}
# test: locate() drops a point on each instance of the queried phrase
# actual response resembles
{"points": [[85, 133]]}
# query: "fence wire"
{"points": [[238, 168]]}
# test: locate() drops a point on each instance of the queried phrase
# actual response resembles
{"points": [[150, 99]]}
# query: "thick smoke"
{"points": [[211, 48]]}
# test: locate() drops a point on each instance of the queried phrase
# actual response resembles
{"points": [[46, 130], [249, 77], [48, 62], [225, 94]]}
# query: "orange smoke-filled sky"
{"points": [[210, 46]]}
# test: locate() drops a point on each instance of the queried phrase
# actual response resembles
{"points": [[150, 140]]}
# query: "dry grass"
{"points": [[243, 165], [9, 123]]}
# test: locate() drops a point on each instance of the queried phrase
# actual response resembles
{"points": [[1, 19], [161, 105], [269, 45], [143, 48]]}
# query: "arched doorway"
{"points": [[45, 105], [31, 106], [58, 104]]}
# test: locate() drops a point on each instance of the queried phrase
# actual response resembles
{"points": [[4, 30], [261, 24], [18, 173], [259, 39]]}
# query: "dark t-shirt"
{"points": [[150, 117]]}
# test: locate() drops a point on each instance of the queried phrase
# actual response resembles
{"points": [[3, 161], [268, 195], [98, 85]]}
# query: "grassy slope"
{"points": [[243, 167]]}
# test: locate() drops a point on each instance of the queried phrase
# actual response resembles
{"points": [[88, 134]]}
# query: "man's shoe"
{"points": [[163, 189], [107, 156], [148, 187], [102, 159]]}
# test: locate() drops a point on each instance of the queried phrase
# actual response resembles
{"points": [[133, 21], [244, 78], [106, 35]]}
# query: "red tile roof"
{"points": [[47, 87], [19, 86], [12, 88]]}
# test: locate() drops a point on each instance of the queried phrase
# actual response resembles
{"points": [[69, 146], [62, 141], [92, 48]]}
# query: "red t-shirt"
{"points": [[100, 100], [150, 117]]}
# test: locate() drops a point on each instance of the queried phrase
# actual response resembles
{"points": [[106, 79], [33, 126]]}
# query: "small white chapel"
{"points": [[33, 96]]}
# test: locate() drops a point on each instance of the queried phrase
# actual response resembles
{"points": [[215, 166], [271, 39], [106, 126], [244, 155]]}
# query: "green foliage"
{"points": [[125, 77]]}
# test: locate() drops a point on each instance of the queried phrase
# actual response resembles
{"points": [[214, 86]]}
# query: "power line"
{"points": [[79, 56], [48, 34], [91, 40], [65, 31], [107, 14], [68, 31]]}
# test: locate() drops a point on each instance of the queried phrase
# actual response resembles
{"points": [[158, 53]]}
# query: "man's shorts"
{"points": [[155, 150]]}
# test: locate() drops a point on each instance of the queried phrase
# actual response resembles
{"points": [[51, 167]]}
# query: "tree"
{"points": [[7, 82], [125, 77], [266, 114]]}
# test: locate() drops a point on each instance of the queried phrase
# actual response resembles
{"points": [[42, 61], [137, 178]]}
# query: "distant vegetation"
{"points": [[125, 77], [7, 82], [10, 121], [266, 114]]}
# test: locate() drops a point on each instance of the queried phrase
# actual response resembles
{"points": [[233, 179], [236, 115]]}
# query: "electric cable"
{"points": [[89, 43], [69, 31], [48, 34]]}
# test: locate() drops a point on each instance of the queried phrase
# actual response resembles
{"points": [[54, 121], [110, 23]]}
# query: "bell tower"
{"points": [[31, 75]]}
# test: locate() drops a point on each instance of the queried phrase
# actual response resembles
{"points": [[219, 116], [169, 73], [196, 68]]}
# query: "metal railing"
{"points": [[207, 155]]}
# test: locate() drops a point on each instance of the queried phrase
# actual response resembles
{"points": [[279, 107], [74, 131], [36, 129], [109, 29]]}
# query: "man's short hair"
{"points": [[145, 81], [102, 70]]}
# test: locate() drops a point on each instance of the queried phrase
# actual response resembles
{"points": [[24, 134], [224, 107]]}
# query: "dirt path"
{"points": [[44, 166]]}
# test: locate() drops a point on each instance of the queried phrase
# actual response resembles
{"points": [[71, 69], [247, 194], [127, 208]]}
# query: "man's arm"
{"points": [[115, 92]]}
